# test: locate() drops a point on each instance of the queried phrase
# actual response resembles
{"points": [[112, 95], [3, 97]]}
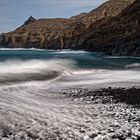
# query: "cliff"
{"points": [[119, 35], [59, 33]]}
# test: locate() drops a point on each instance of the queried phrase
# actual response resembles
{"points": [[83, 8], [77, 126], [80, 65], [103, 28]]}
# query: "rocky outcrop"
{"points": [[116, 36], [30, 20], [61, 33], [108, 9]]}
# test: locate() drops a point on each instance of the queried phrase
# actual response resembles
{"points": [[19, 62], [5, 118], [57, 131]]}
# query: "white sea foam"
{"points": [[16, 49], [94, 77], [22, 70], [122, 57], [30, 109], [70, 52], [133, 65]]}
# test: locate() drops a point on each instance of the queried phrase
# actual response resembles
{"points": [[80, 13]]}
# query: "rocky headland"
{"points": [[112, 28], [116, 36]]}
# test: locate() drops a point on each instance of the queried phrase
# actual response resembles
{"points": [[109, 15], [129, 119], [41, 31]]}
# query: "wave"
{"points": [[63, 51], [123, 57], [20, 70], [96, 77], [16, 49], [133, 65], [70, 52]]}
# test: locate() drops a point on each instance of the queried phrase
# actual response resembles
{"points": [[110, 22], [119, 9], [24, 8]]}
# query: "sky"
{"points": [[13, 13]]}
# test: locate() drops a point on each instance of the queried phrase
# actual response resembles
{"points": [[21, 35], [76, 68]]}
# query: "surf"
{"points": [[33, 70], [65, 67]]}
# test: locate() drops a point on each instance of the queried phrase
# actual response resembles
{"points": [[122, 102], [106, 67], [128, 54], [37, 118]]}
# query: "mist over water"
{"points": [[72, 67], [30, 70], [31, 79]]}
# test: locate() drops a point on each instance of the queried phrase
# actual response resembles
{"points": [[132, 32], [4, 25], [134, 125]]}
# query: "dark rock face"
{"points": [[119, 35], [30, 20], [78, 32]]}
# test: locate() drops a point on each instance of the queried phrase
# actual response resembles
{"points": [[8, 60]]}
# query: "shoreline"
{"points": [[108, 95], [84, 114], [68, 110]]}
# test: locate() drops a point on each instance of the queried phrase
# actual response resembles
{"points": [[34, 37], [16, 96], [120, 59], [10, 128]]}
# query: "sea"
{"points": [[30, 82], [66, 67]]}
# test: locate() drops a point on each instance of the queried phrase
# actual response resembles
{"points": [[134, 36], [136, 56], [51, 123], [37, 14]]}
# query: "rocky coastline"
{"points": [[110, 95], [112, 28], [108, 114], [120, 102]]}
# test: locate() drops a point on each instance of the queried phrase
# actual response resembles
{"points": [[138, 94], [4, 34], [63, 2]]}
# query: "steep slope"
{"points": [[60, 33], [117, 36], [110, 8]]}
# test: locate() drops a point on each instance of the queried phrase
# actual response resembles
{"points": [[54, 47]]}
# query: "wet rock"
{"points": [[86, 138], [136, 132], [106, 138], [93, 135]]}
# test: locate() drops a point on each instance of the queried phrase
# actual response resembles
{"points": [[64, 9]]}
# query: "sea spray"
{"points": [[31, 106], [24, 70]]}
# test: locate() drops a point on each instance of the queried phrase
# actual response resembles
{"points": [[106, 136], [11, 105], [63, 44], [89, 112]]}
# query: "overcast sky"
{"points": [[13, 13]]}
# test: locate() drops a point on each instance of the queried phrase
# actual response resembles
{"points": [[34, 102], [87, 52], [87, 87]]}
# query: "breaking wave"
{"points": [[29, 70], [18, 49], [32, 108], [66, 72], [133, 65]]}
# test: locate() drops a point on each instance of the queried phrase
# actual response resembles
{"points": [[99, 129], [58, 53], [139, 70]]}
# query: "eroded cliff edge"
{"points": [[119, 35], [94, 31]]}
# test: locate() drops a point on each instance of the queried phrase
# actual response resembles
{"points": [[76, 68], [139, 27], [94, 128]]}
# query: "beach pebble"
{"points": [[93, 135], [136, 132], [87, 138], [100, 137]]}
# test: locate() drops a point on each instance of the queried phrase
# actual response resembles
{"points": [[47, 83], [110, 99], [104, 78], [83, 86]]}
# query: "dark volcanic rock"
{"points": [[119, 35], [30, 20], [61, 33], [129, 96]]}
